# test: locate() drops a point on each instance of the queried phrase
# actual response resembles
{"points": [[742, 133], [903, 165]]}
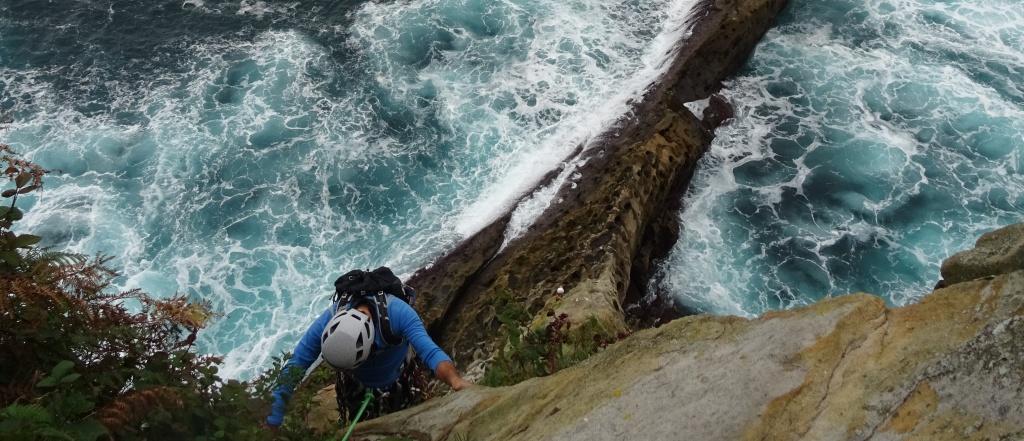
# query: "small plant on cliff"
{"points": [[536, 353]]}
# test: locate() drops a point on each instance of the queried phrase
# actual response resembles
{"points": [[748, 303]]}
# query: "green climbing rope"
{"points": [[359, 414]]}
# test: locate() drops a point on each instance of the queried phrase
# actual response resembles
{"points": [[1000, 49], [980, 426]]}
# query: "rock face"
{"points": [[587, 245], [994, 253], [611, 221], [948, 368]]}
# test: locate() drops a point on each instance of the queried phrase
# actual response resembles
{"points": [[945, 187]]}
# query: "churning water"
{"points": [[247, 152], [873, 139]]}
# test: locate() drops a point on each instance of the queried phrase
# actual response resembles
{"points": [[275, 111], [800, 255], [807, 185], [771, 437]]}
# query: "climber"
{"points": [[365, 336]]}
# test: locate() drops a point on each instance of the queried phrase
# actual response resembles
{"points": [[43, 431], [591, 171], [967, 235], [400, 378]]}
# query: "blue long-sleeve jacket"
{"points": [[380, 370]]}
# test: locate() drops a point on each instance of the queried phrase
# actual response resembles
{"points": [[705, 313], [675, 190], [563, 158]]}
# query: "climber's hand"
{"points": [[460, 384], [446, 372]]}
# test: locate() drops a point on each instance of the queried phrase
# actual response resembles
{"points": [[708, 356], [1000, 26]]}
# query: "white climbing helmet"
{"points": [[347, 339]]}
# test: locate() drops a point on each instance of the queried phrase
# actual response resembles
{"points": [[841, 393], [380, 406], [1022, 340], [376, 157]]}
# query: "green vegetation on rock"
{"points": [[530, 353], [82, 361]]}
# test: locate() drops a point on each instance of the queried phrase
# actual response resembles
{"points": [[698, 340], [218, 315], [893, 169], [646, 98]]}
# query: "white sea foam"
{"points": [[87, 211], [193, 4], [655, 60], [260, 8], [248, 171], [863, 166]]}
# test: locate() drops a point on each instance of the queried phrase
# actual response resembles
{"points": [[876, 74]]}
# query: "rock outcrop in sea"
{"points": [[606, 227]]}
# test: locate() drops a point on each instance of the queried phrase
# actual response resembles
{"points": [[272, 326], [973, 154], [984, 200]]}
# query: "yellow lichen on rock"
{"points": [[922, 401], [868, 366]]}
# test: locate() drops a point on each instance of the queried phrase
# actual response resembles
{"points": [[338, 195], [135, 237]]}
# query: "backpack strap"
{"points": [[380, 304], [409, 295]]}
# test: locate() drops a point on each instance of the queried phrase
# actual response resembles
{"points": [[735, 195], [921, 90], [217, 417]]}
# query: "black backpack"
{"points": [[371, 287]]}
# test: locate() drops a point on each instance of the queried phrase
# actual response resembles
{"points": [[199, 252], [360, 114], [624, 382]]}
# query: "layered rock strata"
{"points": [[849, 368], [600, 236]]}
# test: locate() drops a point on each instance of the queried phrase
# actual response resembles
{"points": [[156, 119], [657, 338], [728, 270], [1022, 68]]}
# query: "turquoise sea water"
{"points": [[873, 139], [247, 152]]}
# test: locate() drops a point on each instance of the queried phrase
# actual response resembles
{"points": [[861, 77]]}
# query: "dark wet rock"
{"points": [[445, 281], [718, 111], [442, 283], [731, 29], [586, 244]]}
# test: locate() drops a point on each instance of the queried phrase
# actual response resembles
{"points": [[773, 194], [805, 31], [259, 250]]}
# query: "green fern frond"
{"points": [[25, 415], [61, 259]]}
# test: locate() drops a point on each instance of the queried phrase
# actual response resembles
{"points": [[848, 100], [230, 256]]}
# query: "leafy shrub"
{"points": [[529, 353], [82, 361]]}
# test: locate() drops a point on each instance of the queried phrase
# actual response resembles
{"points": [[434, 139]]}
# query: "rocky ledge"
{"points": [[849, 368]]}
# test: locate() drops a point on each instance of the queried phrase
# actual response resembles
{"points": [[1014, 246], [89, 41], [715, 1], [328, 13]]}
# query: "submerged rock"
{"points": [[847, 368], [718, 111]]}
